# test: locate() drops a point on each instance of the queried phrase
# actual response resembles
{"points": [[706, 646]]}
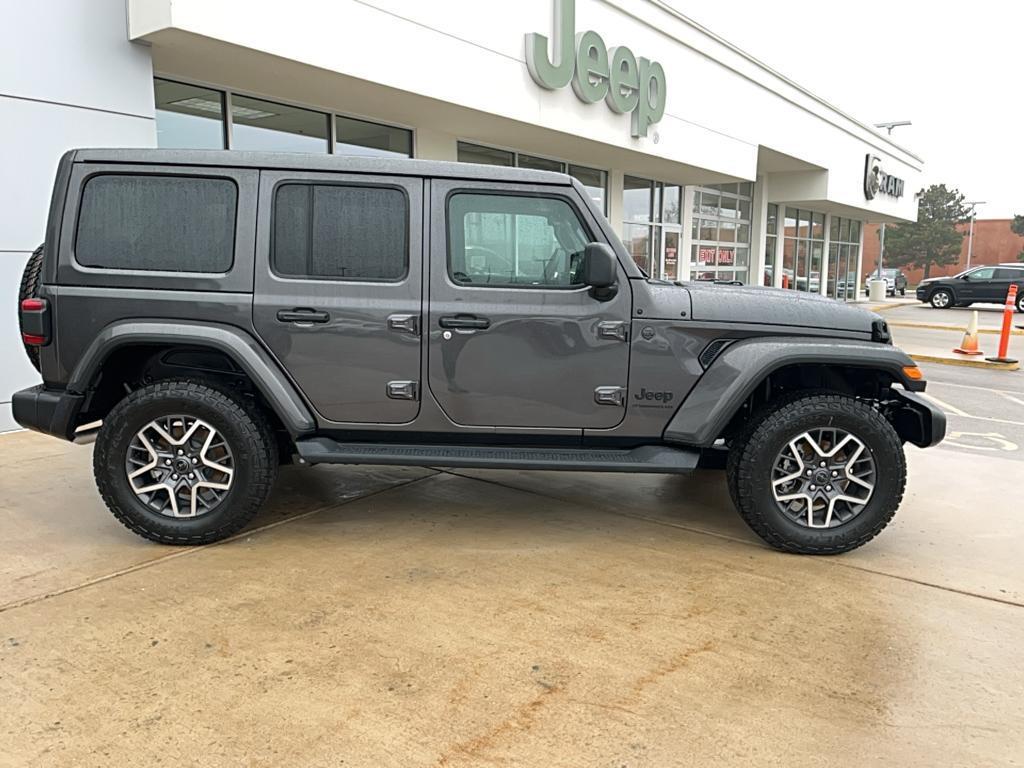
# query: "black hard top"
{"points": [[294, 161]]}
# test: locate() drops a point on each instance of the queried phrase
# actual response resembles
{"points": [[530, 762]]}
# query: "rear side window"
{"points": [[1010, 273], [343, 232], [164, 223]]}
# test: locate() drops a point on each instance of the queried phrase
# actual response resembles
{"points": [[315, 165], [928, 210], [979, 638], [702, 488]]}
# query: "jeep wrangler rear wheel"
{"points": [[817, 474], [184, 462]]}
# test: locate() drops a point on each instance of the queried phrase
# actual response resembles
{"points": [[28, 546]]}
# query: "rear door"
{"points": [[1004, 278], [514, 340], [338, 293]]}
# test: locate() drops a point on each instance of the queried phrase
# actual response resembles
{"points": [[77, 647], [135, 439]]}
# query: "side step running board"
{"points": [[648, 458]]}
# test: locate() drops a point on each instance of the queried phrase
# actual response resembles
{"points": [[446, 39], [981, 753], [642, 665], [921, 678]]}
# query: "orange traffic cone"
{"points": [[969, 345]]}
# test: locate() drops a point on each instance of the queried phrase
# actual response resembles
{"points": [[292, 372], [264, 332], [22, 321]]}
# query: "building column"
{"points": [[823, 280], [434, 145], [758, 224], [616, 187], [686, 236]]}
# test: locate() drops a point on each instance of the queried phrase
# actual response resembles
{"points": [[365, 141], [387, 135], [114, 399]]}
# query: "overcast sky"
{"points": [[954, 69]]}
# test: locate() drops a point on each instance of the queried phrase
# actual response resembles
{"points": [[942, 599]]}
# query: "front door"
{"points": [[338, 294], [514, 339], [978, 285]]}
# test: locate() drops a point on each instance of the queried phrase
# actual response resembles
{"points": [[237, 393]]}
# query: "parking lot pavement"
{"points": [[516, 618], [990, 316]]}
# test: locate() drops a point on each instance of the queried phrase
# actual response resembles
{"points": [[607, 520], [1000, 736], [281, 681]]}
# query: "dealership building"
{"points": [[709, 164]]}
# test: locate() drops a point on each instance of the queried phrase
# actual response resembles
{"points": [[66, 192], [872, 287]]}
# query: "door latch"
{"points": [[610, 395], [403, 390], [612, 329], [404, 324]]}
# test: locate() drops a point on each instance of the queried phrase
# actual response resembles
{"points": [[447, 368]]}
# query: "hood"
{"points": [[775, 306]]}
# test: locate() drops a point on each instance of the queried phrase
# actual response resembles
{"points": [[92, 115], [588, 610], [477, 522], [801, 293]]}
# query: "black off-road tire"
{"points": [[1020, 300], [936, 303], [753, 453], [28, 289], [239, 420]]}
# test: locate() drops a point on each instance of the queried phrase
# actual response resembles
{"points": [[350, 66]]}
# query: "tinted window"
{"points": [[168, 223], [504, 240], [337, 231], [982, 274], [1009, 273]]}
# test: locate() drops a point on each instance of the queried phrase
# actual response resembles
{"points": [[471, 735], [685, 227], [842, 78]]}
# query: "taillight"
{"points": [[35, 322]]}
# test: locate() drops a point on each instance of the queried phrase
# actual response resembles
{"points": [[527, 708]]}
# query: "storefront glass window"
{"points": [[540, 163], [636, 199], [188, 117], [771, 233], [266, 125], [722, 247], [595, 181], [803, 248], [361, 137], [844, 250]]}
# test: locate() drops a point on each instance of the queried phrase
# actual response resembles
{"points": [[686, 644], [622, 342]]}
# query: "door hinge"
{"points": [[612, 329], [610, 395], [403, 390], [404, 324]]}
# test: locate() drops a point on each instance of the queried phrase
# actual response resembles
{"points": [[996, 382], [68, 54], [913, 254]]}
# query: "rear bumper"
{"points": [[51, 411], [918, 420]]}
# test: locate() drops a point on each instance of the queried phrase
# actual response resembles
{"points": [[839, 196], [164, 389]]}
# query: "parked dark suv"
{"points": [[223, 312], [986, 285]]}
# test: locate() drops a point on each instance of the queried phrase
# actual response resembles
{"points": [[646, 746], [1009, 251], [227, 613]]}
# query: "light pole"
{"points": [[970, 231], [881, 233]]}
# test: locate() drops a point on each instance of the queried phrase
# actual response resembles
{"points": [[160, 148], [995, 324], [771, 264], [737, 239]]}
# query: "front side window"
{"points": [[982, 274], [159, 223], [342, 232], [514, 241]]}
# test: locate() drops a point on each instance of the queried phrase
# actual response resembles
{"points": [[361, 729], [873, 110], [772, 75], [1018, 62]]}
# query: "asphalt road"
{"points": [[984, 408], [989, 315]]}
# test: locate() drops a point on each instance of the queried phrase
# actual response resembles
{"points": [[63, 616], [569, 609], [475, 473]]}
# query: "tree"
{"points": [[934, 237], [1017, 225]]}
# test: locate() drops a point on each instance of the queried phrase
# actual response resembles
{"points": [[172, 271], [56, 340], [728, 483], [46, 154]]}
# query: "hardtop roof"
{"points": [[294, 161]]}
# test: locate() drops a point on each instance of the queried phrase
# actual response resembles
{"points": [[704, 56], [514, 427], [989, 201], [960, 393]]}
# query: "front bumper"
{"points": [[51, 411], [918, 420]]}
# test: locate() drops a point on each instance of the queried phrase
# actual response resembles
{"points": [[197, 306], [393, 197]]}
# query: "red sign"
{"points": [[705, 255], [725, 256]]}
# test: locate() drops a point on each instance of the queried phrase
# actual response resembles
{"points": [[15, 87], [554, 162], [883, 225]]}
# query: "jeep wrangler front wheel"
{"points": [[818, 474], [184, 462]]}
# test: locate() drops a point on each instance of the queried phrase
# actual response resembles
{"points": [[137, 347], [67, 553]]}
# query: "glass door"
{"points": [[670, 255]]}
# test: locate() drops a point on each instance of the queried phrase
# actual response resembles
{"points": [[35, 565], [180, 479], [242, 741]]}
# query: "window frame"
{"points": [[272, 245], [139, 271], [449, 276]]}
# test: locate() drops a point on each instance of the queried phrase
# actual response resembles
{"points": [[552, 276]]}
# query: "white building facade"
{"points": [[709, 164]]}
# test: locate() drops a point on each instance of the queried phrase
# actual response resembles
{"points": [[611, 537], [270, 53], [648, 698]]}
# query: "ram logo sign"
{"points": [[877, 181], [615, 75]]}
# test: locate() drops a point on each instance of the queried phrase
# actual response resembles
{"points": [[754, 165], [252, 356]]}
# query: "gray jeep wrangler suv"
{"points": [[206, 316]]}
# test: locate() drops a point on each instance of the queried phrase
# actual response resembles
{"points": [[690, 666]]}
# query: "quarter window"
{"points": [[162, 223], [342, 232], [514, 241]]}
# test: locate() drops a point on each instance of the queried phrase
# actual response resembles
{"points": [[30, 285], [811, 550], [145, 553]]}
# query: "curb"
{"points": [[938, 327], [965, 363]]}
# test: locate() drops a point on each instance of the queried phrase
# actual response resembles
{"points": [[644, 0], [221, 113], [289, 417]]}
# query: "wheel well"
{"points": [[864, 383], [132, 366]]}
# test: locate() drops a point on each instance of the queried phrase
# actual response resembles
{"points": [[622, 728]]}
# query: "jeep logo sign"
{"points": [[877, 181], [626, 84]]}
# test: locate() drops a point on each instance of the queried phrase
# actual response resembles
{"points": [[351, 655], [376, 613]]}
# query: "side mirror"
{"points": [[600, 271]]}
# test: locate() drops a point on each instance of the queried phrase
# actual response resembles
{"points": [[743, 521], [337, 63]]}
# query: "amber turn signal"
{"points": [[913, 372]]}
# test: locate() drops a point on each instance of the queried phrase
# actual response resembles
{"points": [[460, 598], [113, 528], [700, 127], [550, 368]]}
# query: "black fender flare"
{"points": [[743, 365], [234, 342]]}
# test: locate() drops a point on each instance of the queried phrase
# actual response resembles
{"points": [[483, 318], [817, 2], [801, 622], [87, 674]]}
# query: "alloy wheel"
{"points": [[179, 466], [823, 478]]}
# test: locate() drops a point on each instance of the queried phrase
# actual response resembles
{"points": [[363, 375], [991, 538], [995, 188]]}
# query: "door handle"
{"points": [[302, 315], [464, 321]]}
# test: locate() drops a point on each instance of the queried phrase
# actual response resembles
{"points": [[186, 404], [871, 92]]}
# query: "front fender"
{"points": [[743, 365], [240, 346]]}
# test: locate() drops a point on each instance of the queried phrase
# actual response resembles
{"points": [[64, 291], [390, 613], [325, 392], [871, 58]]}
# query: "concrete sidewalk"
{"points": [[386, 617]]}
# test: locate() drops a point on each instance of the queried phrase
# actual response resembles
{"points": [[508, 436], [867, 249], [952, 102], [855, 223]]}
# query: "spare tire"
{"points": [[30, 288]]}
